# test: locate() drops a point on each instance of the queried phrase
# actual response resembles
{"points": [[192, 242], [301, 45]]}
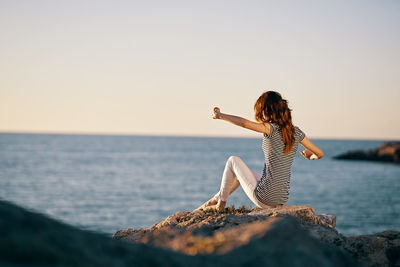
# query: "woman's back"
{"points": [[274, 186]]}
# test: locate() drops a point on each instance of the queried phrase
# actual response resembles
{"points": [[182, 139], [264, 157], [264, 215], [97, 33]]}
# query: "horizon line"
{"points": [[180, 135]]}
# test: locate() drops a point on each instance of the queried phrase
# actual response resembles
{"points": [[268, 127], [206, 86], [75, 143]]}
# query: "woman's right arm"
{"points": [[311, 149]]}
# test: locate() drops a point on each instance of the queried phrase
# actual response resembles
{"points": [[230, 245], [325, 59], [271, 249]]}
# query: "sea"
{"points": [[106, 183]]}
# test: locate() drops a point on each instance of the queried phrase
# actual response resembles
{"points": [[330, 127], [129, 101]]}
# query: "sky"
{"points": [[159, 67]]}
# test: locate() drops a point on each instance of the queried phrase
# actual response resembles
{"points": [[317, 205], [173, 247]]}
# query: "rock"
{"points": [[325, 234], [292, 232], [191, 239], [206, 222], [305, 213], [388, 152], [381, 249], [32, 239], [184, 224], [279, 241], [238, 240]]}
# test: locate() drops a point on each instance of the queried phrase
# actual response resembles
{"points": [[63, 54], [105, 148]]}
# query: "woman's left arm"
{"points": [[242, 122]]}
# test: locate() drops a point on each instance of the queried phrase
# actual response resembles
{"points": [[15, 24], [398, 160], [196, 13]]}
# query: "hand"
{"points": [[216, 113], [308, 154]]}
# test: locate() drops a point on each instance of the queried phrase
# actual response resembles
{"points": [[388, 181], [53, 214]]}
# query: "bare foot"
{"points": [[220, 206], [210, 202], [211, 207]]}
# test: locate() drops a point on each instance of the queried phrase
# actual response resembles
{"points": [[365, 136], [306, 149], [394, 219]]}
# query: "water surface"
{"points": [[107, 183]]}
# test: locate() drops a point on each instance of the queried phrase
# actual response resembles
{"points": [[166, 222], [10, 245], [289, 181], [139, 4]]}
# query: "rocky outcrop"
{"points": [[234, 238], [284, 230], [206, 223], [381, 249], [387, 152], [32, 239]]}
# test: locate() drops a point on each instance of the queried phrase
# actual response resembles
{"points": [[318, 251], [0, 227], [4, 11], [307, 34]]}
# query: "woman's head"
{"points": [[270, 107]]}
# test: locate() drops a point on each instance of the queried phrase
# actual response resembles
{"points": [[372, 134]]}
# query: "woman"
{"points": [[280, 143]]}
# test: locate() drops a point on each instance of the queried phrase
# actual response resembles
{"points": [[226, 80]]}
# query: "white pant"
{"points": [[237, 173]]}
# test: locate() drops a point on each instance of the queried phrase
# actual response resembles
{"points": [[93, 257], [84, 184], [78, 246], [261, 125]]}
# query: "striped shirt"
{"points": [[273, 187]]}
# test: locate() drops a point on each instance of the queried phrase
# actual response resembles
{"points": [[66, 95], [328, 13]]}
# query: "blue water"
{"points": [[108, 183]]}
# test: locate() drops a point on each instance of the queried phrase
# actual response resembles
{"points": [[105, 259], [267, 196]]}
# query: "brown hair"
{"points": [[270, 107]]}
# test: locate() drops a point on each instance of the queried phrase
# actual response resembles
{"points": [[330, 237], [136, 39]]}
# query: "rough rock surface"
{"points": [[32, 239], [304, 213], [388, 152], [294, 231], [190, 239], [381, 249], [205, 223]]}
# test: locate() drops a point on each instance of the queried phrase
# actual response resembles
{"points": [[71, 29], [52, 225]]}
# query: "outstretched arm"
{"points": [[312, 151], [242, 122]]}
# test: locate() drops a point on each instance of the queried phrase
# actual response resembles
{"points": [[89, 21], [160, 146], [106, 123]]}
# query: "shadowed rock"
{"points": [[190, 239], [283, 229], [32, 239], [234, 238], [381, 249], [205, 223], [387, 152]]}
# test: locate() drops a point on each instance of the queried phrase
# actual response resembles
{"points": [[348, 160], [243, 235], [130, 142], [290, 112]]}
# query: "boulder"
{"points": [[206, 222], [381, 249], [295, 233], [193, 239], [32, 239], [240, 239], [387, 152]]}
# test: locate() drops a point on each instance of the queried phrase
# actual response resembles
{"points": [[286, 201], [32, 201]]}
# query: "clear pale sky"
{"points": [[159, 67]]}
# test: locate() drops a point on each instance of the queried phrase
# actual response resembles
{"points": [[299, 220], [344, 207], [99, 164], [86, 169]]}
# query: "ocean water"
{"points": [[107, 183]]}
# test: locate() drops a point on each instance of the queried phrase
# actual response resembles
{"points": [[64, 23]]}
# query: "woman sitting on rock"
{"points": [[280, 143]]}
